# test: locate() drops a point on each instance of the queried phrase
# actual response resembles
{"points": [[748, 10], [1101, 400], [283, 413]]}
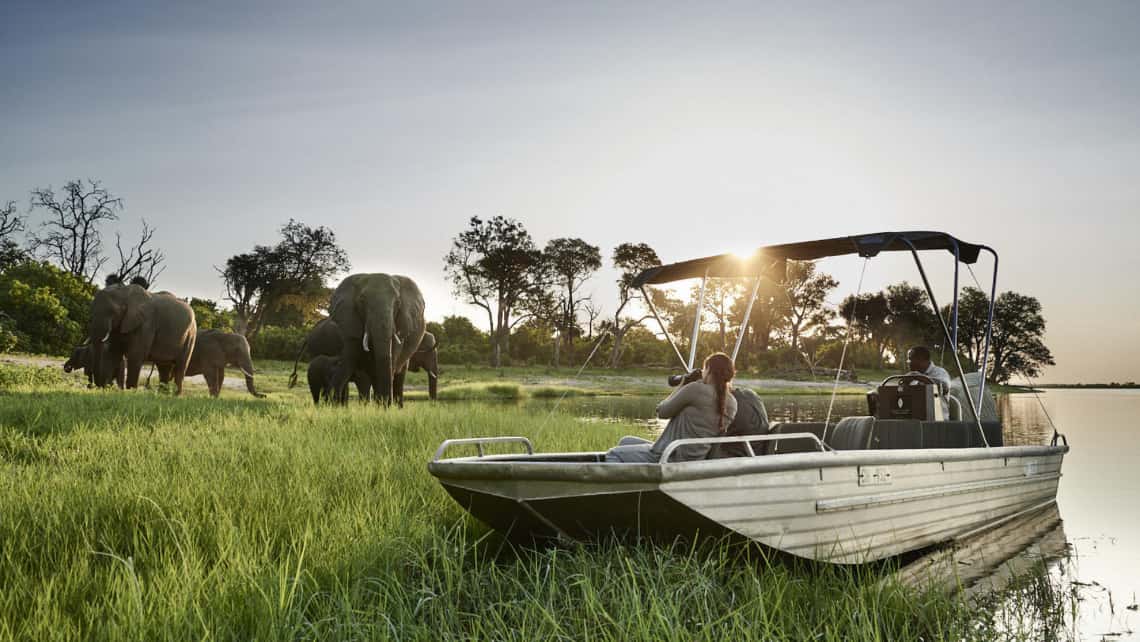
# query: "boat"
{"points": [[848, 492]]}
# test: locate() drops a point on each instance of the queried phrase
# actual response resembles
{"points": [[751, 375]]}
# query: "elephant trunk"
{"points": [[433, 383], [100, 334], [380, 334]]}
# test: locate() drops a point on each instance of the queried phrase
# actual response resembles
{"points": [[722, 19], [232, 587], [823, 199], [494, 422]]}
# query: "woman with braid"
{"points": [[703, 408]]}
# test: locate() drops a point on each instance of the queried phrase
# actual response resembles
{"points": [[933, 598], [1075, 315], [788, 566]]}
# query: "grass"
{"points": [[136, 515]]}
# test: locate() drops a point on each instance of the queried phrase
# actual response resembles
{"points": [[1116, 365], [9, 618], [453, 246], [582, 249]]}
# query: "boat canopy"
{"points": [[770, 260]]}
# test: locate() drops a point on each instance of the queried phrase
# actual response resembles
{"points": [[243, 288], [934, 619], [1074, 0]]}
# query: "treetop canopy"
{"points": [[770, 260]]}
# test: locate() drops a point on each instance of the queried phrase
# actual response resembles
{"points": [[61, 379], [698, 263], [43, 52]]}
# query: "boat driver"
{"points": [[918, 360]]}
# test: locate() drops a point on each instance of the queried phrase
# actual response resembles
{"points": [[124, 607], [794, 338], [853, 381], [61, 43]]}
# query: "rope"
{"points": [[577, 374], [846, 340], [1052, 425]]}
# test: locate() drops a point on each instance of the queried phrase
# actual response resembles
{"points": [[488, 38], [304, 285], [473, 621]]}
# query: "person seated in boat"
{"points": [[918, 360], [701, 408]]}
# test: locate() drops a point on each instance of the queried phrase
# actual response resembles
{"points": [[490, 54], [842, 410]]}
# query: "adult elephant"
{"points": [[426, 357], [127, 321], [213, 351], [381, 323]]}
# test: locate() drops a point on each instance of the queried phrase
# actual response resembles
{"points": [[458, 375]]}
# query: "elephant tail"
{"points": [[300, 353]]}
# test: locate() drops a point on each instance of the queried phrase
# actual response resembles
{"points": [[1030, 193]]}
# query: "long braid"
{"points": [[719, 366]]}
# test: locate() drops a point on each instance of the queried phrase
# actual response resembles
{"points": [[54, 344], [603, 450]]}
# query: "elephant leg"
{"points": [[219, 379], [350, 356], [135, 357], [398, 387], [183, 363], [211, 375]]}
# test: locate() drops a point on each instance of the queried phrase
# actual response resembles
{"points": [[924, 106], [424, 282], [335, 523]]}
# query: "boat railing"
{"points": [[479, 442], [744, 439]]}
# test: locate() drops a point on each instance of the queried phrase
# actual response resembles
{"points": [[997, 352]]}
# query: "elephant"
{"points": [[127, 321], [213, 351], [427, 358], [321, 368], [325, 339], [81, 358], [381, 323]]}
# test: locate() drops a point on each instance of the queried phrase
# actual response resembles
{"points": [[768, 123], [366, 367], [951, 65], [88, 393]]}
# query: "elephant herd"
{"points": [[375, 333]]}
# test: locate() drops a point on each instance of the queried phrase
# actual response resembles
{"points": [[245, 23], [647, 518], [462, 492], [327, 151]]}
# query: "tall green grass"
{"points": [[135, 515]]}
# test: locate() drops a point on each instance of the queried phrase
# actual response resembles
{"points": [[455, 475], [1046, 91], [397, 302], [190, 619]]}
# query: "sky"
{"points": [[698, 128]]}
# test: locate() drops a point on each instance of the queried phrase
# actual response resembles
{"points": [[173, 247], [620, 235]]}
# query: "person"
{"points": [[751, 419], [703, 408], [918, 360]]}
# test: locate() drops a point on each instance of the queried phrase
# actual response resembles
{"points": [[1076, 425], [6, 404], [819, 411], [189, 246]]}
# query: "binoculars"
{"points": [[682, 379]]}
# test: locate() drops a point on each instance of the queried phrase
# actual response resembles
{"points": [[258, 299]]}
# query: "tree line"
{"points": [[535, 301]]}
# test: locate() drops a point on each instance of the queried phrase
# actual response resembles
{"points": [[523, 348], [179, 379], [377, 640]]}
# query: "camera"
{"points": [[682, 379]]}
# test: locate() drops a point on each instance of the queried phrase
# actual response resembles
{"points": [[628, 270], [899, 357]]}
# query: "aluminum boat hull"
{"points": [[845, 507]]}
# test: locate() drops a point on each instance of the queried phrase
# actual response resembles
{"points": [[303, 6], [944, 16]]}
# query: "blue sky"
{"points": [[697, 128]]}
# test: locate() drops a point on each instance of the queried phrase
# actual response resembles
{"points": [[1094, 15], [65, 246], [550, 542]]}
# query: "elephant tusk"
{"points": [[248, 374], [104, 339], [397, 339], [364, 342], [432, 374]]}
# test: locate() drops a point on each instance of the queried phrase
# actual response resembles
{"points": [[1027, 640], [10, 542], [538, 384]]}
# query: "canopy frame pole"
{"points": [[747, 316], [697, 321], [946, 335], [989, 328], [669, 337], [954, 306]]}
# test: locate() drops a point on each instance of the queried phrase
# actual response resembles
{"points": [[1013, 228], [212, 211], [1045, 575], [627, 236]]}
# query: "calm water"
{"points": [[1097, 498]]}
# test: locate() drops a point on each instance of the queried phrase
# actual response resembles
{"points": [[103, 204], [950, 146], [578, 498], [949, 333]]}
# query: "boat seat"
{"points": [[785, 446], [896, 434], [852, 433]]}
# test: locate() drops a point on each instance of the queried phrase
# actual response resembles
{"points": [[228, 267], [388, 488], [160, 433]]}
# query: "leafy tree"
{"points": [[48, 308], [496, 266], [632, 259], [296, 269], [1017, 345], [805, 291], [869, 317], [721, 300], [210, 317], [912, 321], [572, 262]]}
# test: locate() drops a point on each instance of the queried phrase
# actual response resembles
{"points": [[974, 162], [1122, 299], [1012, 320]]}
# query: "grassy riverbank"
{"points": [[135, 515]]}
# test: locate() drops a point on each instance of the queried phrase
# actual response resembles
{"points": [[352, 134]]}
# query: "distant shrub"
{"points": [[274, 342]]}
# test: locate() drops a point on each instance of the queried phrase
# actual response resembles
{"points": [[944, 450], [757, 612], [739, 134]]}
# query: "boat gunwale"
{"points": [[516, 467]]}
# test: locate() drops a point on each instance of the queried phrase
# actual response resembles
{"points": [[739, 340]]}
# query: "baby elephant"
{"points": [[213, 351], [320, 373], [81, 358]]}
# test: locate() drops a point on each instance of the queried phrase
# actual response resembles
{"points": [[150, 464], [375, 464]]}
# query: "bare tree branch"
{"points": [[141, 259], [70, 236]]}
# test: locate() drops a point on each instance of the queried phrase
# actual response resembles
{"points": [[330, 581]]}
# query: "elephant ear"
{"points": [[137, 300], [428, 342]]}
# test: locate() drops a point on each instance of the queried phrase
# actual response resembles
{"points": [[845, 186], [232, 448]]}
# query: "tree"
{"points": [[1017, 345], [71, 235], [572, 262], [973, 310], [868, 316], [48, 307], [912, 322], [209, 316], [593, 313], [141, 259], [721, 300], [495, 265], [805, 291], [300, 264], [10, 223], [632, 259]]}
